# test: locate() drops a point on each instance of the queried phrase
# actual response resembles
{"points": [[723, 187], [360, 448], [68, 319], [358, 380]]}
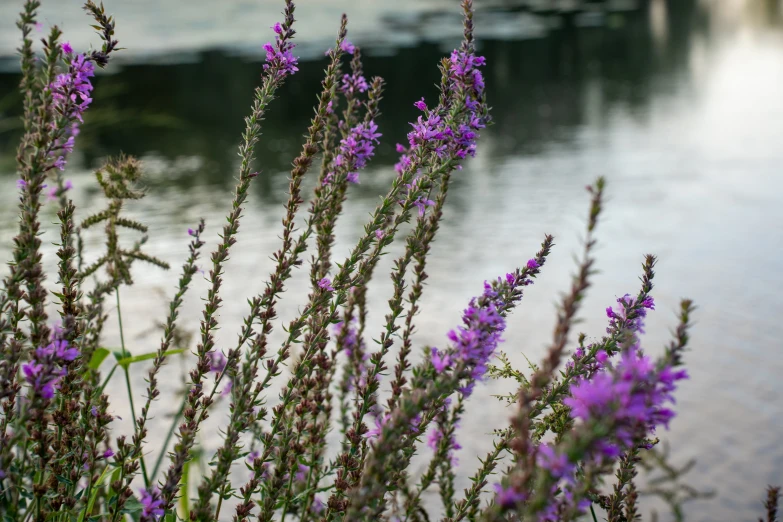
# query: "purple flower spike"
{"points": [[279, 57], [353, 83]]}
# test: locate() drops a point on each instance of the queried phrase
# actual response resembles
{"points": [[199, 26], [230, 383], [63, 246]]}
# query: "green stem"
{"points": [[126, 353], [592, 512], [107, 379], [168, 438]]}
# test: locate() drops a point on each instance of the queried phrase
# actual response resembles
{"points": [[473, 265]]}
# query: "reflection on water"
{"points": [[678, 106]]}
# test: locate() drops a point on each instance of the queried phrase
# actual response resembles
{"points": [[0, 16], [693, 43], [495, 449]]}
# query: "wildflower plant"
{"points": [[583, 414]]}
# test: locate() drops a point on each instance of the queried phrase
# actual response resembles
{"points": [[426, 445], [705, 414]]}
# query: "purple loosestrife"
{"points": [[48, 366], [279, 65], [279, 56], [71, 93], [355, 150], [632, 395], [325, 284], [152, 504], [353, 84], [483, 322], [474, 344]]}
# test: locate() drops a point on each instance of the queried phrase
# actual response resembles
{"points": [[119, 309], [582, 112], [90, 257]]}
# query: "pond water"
{"points": [[678, 105]]}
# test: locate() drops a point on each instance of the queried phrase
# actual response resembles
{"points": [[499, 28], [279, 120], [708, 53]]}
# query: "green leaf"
{"points": [[115, 477], [96, 489], [64, 480], [97, 358], [127, 361], [133, 508]]}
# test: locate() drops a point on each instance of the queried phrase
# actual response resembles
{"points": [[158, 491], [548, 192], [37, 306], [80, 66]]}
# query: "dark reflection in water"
{"points": [[537, 89]]}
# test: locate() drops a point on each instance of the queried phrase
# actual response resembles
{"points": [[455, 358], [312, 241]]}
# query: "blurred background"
{"points": [[677, 102]]}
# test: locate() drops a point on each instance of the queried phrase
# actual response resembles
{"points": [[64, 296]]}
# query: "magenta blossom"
{"points": [[152, 504]]}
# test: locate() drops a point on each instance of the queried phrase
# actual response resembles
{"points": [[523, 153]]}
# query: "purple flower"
{"points": [[379, 234], [21, 184], [433, 439], [66, 47], [508, 497], [420, 105], [353, 83], [252, 456], [38, 26], [279, 58], [558, 464], [71, 90], [227, 389], [631, 396], [375, 432], [217, 361], [55, 192], [355, 150], [109, 453], [347, 47], [191, 232], [301, 474], [440, 360], [532, 264], [94, 411], [152, 504], [325, 284], [71, 97], [422, 203]]}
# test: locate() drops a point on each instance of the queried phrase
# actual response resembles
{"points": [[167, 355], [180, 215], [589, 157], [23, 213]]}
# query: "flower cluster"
{"points": [[631, 395], [355, 150], [56, 192], [71, 91], [279, 56], [353, 83], [48, 366], [152, 504], [432, 133], [434, 439], [71, 96], [630, 314]]}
